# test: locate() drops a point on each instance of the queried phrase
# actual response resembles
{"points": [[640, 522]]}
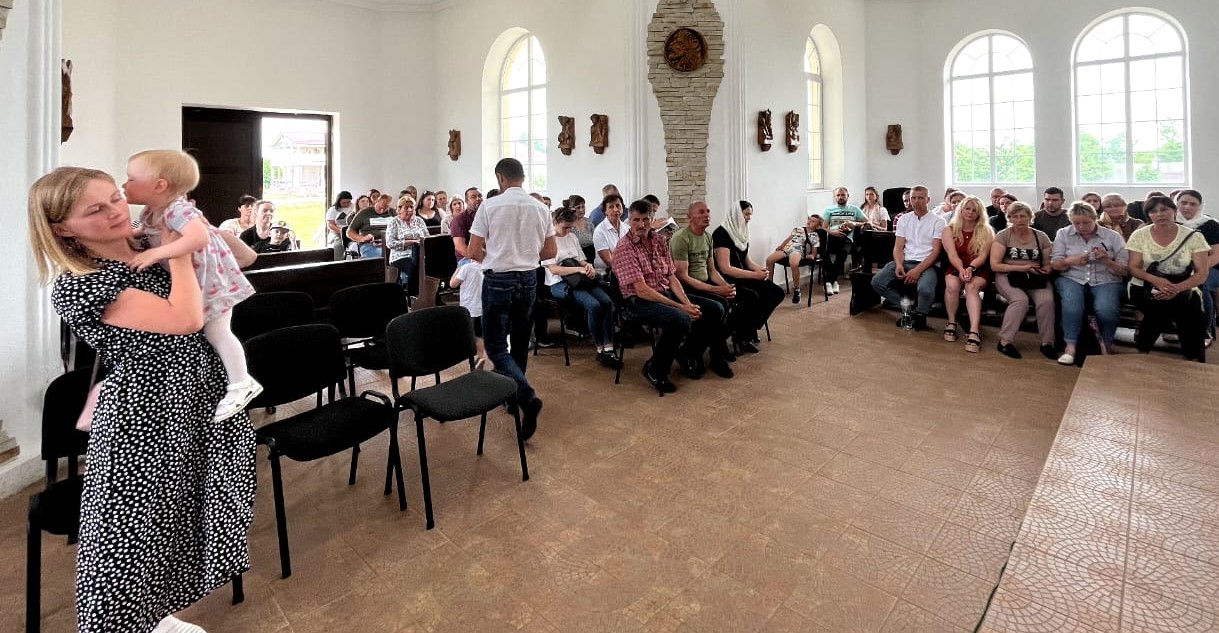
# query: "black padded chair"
{"points": [[266, 311], [293, 363], [547, 301], [427, 342], [56, 509], [361, 313]]}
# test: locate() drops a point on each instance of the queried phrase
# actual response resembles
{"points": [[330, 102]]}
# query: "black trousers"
{"points": [[755, 300], [1185, 310]]}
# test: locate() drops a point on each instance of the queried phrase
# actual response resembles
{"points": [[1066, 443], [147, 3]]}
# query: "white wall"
{"points": [[909, 43], [771, 35], [139, 61], [29, 125], [586, 48]]}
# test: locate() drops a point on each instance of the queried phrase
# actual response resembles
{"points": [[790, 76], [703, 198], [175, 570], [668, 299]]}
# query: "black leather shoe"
{"points": [[920, 322], [730, 357], [529, 419], [691, 367], [1009, 350], [1048, 352], [661, 383], [747, 347], [721, 368]]}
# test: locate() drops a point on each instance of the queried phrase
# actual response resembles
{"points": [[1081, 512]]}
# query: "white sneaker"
{"points": [[835, 287], [1066, 359], [236, 398], [829, 288]]}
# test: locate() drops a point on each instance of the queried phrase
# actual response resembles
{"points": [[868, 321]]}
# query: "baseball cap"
{"points": [[281, 225]]}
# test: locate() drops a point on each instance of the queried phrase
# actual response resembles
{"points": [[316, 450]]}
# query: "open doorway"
{"points": [[278, 156]]}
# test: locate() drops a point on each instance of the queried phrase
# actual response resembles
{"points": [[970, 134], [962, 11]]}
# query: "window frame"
{"points": [[1126, 60], [990, 76], [530, 43], [815, 126]]}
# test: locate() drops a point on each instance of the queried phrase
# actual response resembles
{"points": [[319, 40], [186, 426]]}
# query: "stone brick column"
{"points": [[685, 98]]}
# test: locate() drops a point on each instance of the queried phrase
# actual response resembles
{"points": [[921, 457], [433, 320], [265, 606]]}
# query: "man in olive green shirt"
{"points": [[691, 251]]}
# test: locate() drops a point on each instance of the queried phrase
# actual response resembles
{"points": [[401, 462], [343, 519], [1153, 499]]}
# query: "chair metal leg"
{"points": [[394, 467], [238, 590], [482, 432], [563, 333], [423, 474], [767, 326], [281, 517], [520, 446], [355, 461], [33, 576]]}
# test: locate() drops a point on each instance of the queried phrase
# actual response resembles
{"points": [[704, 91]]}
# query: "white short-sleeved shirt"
{"points": [[471, 289], [605, 237], [515, 227], [920, 234], [568, 248]]}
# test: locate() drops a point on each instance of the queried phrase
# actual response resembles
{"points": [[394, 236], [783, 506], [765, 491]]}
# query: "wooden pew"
{"points": [[320, 279], [291, 258]]}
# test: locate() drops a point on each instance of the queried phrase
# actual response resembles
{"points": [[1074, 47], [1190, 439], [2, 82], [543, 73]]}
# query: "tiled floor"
{"points": [[852, 477], [1122, 532]]}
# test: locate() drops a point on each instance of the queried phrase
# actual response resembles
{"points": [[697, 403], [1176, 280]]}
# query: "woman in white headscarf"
{"points": [[756, 295], [1190, 214]]}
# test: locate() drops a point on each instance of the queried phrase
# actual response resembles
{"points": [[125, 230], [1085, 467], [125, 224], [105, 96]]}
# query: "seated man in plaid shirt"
{"points": [[646, 277]]}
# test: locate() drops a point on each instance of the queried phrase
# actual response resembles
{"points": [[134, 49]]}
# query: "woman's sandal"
{"points": [[973, 342], [950, 332]]}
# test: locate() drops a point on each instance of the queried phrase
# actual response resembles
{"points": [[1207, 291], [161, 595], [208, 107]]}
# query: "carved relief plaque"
{"points": [[685, 50]]}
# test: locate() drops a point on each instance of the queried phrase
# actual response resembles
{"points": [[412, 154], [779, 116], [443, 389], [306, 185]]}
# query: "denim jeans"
{"points": [[884, 280], [674, 324], [508, 312], [1106, 301], [597, 307], [369, 250]]}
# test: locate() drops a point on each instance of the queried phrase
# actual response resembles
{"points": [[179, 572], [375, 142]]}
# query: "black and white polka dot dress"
{"points": [[169, 493]]}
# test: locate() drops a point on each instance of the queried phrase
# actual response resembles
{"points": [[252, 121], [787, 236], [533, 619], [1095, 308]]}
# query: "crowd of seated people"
{"points": [[1081, 261]]}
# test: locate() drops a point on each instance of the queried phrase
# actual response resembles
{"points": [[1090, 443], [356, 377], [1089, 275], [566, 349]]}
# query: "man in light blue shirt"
{"points": [[840, 220]]}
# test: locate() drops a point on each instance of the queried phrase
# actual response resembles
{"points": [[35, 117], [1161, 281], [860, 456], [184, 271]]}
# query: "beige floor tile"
{"points": [[840, 602], [900, 524], [1090, 595], [1012, 613], [874, 560], [949, 593], [970, 551], [943, 470], [907, 618]]}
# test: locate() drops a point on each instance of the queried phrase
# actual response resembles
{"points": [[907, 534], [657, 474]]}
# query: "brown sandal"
{"points": [[973, 342], [950, 332]]}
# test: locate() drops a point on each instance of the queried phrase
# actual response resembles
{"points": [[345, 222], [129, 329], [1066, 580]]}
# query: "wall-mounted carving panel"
{"points": [[685, 90]]}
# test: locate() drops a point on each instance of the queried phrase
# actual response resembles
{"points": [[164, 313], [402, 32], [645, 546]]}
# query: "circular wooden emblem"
{"points": [[685, 50]]}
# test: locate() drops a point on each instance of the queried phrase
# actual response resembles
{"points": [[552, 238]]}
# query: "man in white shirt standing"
{"points": [[915, 252], [510, 235]]}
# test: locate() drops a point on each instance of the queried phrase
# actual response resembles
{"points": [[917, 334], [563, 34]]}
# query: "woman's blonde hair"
{"points": [[1079, 207], [404, 200], [177, 168], [1018, 207], [981, 229], [51, 198]]}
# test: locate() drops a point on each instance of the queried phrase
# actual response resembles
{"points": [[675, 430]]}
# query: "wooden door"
{"points": [[227, 144]]}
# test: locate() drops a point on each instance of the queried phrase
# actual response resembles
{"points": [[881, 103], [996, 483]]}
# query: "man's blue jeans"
{"points": [[884, 280], [598, 308], [674, 324], [508, 312], [369, 250], [1106, 300], [1208, 299]]}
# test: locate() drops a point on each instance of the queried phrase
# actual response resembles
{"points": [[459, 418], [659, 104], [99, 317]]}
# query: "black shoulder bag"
{"points": [[1142, 292]]}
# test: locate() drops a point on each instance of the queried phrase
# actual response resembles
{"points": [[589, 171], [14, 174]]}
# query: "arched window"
{"points": [[990, 86], [522, 110], [1130, 114], [814, 118]]}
